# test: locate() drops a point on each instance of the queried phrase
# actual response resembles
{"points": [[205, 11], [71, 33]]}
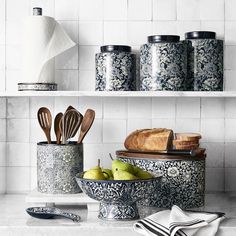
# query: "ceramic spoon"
{"points": [[57, 128], [50, 212], [45, 121], [86, 124]]}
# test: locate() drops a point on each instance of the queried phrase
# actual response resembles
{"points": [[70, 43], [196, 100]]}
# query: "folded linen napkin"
{"points": [[176, 222]]}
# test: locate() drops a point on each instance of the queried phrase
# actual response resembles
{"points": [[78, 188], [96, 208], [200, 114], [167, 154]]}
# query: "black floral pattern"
{"points": [[57, 166], [205, 65], [115, 71], [118, 198], [182, 184], [163, 66]]}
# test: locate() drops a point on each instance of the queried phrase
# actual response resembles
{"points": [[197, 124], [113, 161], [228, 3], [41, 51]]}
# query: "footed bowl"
{"points": [[118, 197]]}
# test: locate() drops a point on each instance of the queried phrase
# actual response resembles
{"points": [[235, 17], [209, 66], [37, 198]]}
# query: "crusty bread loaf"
{"points": [[150, 140], [186, 147], [180, 142], [188, 136]]}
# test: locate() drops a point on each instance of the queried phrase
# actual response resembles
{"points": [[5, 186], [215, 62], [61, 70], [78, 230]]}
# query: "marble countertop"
{"points": [[15, 221]]}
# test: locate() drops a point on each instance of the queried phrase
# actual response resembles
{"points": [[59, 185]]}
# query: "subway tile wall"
{"points": [[92, 23]]}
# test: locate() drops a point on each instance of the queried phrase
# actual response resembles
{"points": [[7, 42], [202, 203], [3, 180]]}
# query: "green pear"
{"points": [[108, 173], [119, 165], [142, 174], [94, 174], [137, 169], [123, 175]]}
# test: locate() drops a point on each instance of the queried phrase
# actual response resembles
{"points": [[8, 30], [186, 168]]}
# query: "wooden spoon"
{"points": [[69, 124], [57, 128], [45, 121], [86, 124]]}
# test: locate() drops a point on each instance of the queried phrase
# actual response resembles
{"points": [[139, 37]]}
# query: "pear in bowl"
{"points": [[118, 197]]}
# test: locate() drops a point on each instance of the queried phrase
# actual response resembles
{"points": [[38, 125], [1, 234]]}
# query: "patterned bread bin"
{"points": [[183, 179], [163, 64], [115, 69], [57, 166], [205, 61]]}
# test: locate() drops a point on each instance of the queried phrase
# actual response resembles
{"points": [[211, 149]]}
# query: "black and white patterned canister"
{"points": [[163, 63], [115, 69], [57, 166], [205, 61]]}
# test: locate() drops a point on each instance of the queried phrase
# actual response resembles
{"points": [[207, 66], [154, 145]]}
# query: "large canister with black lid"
{"points": [[163, 63], [115, 69], [205, 61]]}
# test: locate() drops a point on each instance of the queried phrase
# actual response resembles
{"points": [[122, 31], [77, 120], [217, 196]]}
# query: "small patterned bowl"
{"points": [[118, 197]]}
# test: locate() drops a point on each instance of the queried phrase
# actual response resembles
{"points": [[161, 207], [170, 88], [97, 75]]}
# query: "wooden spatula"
{"points": [[57, 128], [45, 121], [86, 124]]}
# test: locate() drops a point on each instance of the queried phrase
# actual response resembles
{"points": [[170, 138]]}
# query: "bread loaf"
{"points": [[150, 140], [188, 136]]}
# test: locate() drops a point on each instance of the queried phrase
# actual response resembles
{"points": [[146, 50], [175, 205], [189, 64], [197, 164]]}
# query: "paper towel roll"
{"points": [[43, 39]]}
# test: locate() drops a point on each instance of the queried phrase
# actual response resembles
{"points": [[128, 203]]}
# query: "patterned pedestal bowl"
{"points": [[118, 197]]}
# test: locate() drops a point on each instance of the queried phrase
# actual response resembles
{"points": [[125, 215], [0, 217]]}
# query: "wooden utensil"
{"points": [[69, 124], [57, 128], [86, 124], [45, 121]]}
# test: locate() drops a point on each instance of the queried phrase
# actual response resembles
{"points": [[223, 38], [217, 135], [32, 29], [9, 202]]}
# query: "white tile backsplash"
{"points": [[139, 10], [115, 10], [164, 10], [90, 10], [91, 24]]}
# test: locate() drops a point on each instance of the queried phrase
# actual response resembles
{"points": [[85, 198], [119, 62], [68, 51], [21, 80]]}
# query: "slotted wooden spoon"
{"points": [[57, 128], [45, 121], [69, 124], [87, 122]]}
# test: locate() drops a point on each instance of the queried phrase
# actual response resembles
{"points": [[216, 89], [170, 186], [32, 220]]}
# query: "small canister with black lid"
{"points": [[205, 61], [163, 63], [115, 68]]}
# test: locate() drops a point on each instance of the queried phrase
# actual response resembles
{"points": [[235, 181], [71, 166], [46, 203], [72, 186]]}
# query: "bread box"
{"points": [[183, 181]]}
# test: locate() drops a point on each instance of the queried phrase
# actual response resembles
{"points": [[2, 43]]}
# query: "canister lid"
{"points": [[37, 11], [163, 38], [200, 35], [112, 48]]}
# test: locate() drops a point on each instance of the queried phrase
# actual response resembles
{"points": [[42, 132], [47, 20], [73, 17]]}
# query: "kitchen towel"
{"points": [[43, 39], [176, 222]]}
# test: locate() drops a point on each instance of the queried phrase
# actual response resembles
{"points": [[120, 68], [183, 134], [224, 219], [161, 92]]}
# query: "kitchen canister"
{"points": [[163, 63], [205, 61], [183, 178], [115, 69], [57, 166]]}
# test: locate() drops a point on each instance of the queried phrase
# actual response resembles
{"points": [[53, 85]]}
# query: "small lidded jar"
{"points": [[115, 69], [163, 63], [205, 61]]}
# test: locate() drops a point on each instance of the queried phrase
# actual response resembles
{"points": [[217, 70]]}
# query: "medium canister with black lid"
{"points": [[205, 61], [163, 63], [183, 178], [115, 68]]}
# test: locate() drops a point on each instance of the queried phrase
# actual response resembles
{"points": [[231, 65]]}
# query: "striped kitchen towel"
{"points": [[176, 222]]}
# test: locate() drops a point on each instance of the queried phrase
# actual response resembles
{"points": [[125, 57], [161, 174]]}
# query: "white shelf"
{"points": [[116, 94]]}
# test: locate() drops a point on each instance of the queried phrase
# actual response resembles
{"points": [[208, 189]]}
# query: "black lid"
{"points": [[37, 11], [163, 38], [112, 48], [200, 35]]}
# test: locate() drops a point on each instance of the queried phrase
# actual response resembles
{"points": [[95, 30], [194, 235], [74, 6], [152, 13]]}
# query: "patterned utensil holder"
{"points": [[205, 61], [57, 166], [163, 63], [183, 179], [115, 69]]}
